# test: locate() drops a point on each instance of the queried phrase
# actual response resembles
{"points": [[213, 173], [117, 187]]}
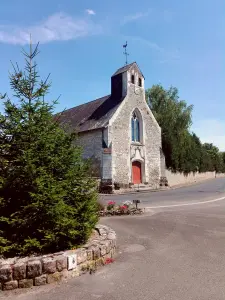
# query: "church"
{"points": [[120, 135]]}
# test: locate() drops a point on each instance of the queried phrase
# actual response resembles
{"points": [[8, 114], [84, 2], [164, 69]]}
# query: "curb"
{"points": [[35, 271]]}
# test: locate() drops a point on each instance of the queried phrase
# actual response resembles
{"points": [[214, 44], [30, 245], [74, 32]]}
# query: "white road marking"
{"points": [[185, 204]]}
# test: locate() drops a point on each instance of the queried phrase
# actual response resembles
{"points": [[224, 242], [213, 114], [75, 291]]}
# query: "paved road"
{"points": [[207, 190], [172, 253]]}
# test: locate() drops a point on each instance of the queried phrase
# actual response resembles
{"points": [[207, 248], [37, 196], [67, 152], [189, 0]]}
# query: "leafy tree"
{"points": [[47, 200], [183, 150], [214, 157], [174, 117]]}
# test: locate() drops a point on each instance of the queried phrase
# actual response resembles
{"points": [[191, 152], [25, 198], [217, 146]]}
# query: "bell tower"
{"points": [[127, 77]]}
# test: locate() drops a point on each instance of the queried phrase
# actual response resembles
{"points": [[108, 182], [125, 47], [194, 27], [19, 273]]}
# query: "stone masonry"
{"points": [[35, 271], [105, 134], [120, 135], [91, 143]]}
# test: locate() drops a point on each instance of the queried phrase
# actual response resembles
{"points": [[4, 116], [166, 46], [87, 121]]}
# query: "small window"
{"points": [[139, 82], [132, 79]]}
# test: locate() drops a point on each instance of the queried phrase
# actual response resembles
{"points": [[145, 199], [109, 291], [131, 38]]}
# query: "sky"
{"points": [[178, 43]]}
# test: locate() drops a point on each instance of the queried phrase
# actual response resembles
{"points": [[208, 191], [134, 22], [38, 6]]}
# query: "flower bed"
{"points": [[127, 208]]}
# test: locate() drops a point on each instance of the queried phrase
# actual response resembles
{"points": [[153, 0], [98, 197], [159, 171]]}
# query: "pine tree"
{"points": [[47, 199]]}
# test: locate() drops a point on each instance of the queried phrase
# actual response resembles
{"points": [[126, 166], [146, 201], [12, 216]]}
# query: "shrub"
{"points": [[47, 199]]}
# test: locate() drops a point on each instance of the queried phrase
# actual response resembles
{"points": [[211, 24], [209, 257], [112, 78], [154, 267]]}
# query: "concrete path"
{"points": [[172, 253]]}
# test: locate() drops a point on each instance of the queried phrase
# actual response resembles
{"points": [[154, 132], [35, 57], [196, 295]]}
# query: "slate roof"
{"points": [[89, 116], [126, 68], [94, 114], [123, 69]]}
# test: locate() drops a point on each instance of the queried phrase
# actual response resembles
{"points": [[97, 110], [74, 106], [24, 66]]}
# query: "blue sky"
{"points": [[179, 43]]}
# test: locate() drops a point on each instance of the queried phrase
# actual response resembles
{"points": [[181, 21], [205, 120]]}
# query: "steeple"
{"points": [[124, 78]]}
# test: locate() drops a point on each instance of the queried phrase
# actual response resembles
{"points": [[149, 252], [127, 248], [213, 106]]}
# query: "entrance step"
{"points": [[139, 187]]}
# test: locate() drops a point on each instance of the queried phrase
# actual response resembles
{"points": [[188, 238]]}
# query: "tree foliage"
{"points": [[183, 150], [47, 200]]}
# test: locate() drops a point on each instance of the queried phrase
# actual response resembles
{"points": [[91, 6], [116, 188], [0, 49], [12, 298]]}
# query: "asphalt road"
{"points": [[173, 252], [207, 190]]}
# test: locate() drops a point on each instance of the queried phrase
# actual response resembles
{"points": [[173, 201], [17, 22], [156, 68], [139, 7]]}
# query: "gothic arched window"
{"points": [[135, 128]]}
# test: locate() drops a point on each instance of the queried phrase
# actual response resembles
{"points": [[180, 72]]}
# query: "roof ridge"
{"points": [[124, 68]]}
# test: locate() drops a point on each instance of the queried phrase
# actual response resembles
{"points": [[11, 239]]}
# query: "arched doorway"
{"points": [[136, 172]]}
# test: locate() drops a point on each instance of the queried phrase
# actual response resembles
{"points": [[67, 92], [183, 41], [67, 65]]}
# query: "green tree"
{"points": [[174, 118], [47, 199], [214, 157], [183, 150]]}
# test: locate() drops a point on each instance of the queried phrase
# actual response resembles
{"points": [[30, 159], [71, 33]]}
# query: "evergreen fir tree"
{"points": [[47, 199]]}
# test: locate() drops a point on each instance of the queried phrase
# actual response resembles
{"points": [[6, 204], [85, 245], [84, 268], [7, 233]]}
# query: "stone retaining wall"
{"points": [[35, 271]]}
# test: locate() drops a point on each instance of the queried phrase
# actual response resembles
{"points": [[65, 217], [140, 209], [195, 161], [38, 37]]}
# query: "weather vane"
{"points": [[125, 52]]}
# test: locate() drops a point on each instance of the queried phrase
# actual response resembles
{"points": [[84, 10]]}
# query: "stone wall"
{"points": [[91, 142], [120, 136], [35, 271], [180, 178]]}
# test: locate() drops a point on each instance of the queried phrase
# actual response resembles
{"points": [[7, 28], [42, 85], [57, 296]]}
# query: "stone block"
{"points": [[26, 283], [101, 230], [34, 268], [8, 261], [104, 236], [108, 245], [23, 260], [19, 271], [41, 280], [59, 253], [89, 254], [103, 249], [55, 277], [49, 266], [61, 263], [48, 256], [81, 256], [113, 243], [112, 236], [96, 252], [5, 273], [10, 285]]}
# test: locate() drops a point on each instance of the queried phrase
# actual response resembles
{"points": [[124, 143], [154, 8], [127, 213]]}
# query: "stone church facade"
{"points": [[120, 134]]}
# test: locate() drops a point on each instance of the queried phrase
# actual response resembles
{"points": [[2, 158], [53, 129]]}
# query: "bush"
{"points": [[47, 200]]}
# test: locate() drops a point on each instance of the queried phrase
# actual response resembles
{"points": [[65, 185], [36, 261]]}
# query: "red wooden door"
{"points": [[136, 172]]}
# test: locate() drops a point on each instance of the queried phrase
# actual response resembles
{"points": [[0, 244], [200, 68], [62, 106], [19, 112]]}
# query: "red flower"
{"points": [[108, 261], [123, 207], [111, 203]]}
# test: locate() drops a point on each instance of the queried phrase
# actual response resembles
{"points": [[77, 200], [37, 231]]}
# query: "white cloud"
{"points": [[134, 17], [90, 12], [58, 27], [211, 131]]}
